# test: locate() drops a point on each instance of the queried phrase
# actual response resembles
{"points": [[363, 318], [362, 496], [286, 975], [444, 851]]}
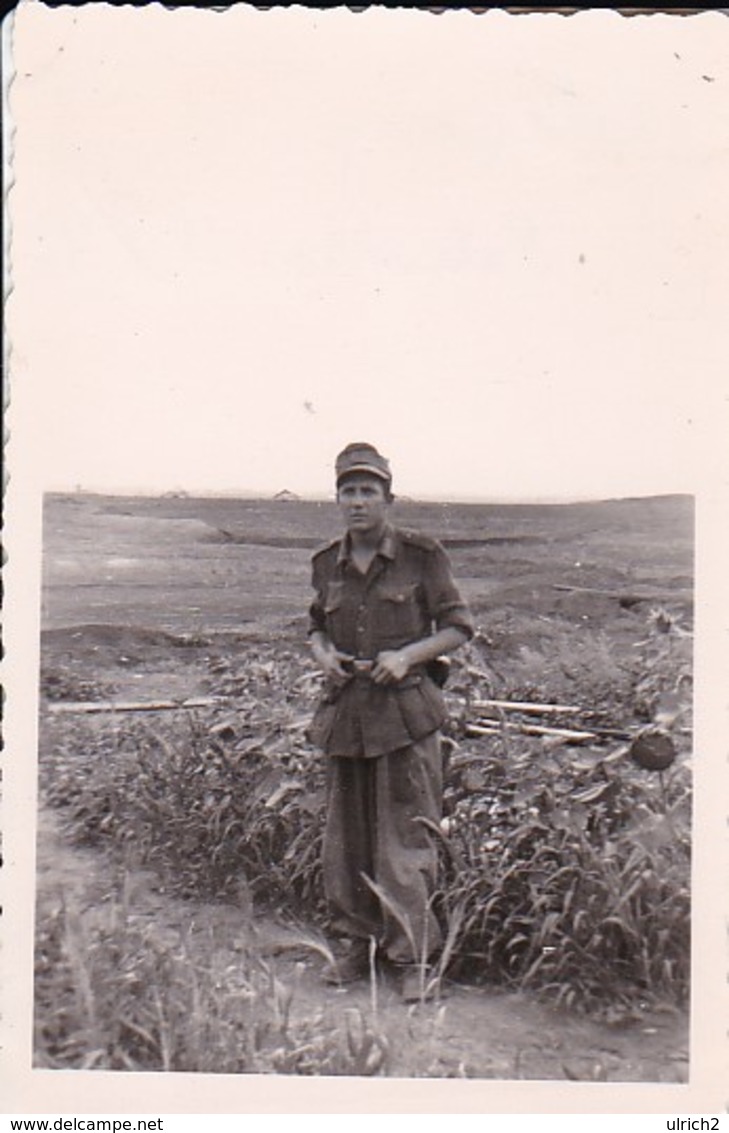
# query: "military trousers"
{"points": [[373, 833]]}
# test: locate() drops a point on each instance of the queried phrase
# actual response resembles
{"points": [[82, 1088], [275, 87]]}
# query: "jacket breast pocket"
{"points": [[398, 614]]}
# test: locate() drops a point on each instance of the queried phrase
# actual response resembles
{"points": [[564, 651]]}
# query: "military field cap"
{"points": [[362, 457]]}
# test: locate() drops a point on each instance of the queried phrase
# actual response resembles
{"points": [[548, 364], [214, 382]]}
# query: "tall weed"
{"points": [[120, 994]]}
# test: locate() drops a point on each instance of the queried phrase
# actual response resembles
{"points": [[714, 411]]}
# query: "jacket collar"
{"points": [[386, 546]]}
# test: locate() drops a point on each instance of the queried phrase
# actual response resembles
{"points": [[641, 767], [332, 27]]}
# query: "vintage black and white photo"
{"points": [[366, 456]]}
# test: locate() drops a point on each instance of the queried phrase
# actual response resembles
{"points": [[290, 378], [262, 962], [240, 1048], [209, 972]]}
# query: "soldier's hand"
{"points": [[330, 659], [390, 667], [331, 663]]}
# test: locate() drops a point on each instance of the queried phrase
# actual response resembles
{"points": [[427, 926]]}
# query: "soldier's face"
{"points": [[363, 501]]}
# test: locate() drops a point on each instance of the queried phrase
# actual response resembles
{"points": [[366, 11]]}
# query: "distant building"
{"points": [[179, 494], [286, 496]]}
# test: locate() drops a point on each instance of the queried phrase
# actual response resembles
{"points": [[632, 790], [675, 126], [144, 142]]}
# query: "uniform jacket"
{"points": [[407, 594]]}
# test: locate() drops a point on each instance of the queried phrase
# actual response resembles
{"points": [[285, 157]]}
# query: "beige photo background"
{"points": [[497, 246]]}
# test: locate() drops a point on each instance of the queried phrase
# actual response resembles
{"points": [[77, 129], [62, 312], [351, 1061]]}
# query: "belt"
{"points": [[362, 667], [358, 667]]}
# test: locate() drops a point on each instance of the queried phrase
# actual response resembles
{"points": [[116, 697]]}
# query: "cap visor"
{"points": [[364, 468]]}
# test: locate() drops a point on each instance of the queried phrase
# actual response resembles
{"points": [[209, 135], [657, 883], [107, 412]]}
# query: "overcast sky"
{"points": [[497, 247]]}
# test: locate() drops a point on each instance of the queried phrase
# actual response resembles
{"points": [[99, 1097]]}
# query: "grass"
{"points": [[119, 989], [566, 870], [123, 995]]}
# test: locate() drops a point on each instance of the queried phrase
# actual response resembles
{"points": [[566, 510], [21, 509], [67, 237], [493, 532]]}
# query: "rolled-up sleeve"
{"points": [[445, 604]]}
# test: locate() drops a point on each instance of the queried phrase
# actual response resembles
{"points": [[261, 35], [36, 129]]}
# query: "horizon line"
{"points": [[300, 497]]}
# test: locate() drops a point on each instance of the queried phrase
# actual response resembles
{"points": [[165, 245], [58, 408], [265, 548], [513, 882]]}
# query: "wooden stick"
{"points": [[89, 706], [612, 733], [492, 728], [526, 706], [597, 590], [473, 672]]}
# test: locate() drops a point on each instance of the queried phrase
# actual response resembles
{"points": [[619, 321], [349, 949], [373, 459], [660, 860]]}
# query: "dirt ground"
{"points": [[100, 594]]}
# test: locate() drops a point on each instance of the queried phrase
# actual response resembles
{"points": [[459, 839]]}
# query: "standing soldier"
{"points": [[386, 607]]}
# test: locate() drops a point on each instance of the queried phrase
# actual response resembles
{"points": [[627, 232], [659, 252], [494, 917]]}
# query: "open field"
{"points": [[147, 599], [243, 565]]}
